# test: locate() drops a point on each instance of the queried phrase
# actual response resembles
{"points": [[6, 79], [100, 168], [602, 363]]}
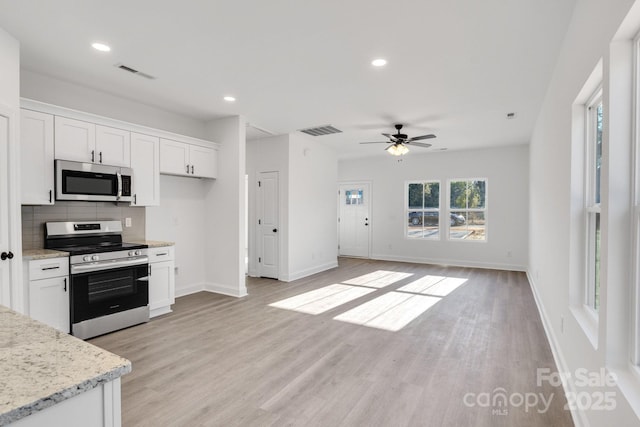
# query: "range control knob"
{"points": [[86, 258], [138, 252], [132, 253], [95, 258]]}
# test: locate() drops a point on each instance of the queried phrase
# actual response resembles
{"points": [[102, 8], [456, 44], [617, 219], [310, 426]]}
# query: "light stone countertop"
{"points": [[41, 366], [31, 254]]}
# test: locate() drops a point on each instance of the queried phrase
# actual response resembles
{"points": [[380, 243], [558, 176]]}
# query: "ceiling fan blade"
{"points": [[391, 137], [375, 142], [418, 138], [420, 144]]}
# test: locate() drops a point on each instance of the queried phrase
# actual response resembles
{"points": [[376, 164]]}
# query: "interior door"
{"points": [[268, 232], [5, 243], [354, 219]]}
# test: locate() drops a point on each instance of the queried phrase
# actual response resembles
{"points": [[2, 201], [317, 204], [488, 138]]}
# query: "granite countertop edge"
{"points": [[152, 243], [62, 395], [33, 254]]}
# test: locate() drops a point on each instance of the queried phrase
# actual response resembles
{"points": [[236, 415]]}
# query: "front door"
{"points": [[268, 232], [354, 220]]}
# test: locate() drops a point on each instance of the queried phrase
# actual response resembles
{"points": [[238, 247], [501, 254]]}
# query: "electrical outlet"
{"points": [[127, 222]]}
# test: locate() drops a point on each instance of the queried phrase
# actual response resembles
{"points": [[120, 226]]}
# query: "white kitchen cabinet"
{"points": [[36, 157], [113, 146], [81, 141], [48, 285], [161, 280], [178, 158], [145, 162], [75, 140]]}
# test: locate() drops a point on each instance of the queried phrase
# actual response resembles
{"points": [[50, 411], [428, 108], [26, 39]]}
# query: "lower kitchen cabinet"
{"points": [[162, 282], [48, 287]]}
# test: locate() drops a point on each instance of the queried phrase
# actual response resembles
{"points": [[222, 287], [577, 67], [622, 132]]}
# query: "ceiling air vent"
{"points": [[321, 130], [134, 71]]}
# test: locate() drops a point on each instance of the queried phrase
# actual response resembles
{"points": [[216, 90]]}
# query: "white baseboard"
{"points": [[308, 272], [451, 262], [219, 288], [579, 418], [189, 289]]}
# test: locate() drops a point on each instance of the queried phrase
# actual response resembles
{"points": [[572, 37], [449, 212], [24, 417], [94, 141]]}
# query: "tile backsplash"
{"points": [[34, 218]]}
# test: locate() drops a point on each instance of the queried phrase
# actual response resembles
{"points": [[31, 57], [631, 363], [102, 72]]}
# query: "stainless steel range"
{"points": [[108, 278]]}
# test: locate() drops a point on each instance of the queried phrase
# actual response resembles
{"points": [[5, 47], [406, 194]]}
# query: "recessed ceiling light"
{"points": [[229, 98], [379, 62], [101, 47]]}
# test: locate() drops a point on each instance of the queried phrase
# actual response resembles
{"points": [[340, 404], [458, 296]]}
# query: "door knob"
{"points": [[6, 255], [275, 230]]}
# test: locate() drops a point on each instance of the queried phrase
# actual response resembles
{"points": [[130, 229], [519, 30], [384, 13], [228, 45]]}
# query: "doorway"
{"points": [[268, 224], [354, 201]]}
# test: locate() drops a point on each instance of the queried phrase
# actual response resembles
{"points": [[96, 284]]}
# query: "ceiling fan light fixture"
{"points": [[397, 149]]}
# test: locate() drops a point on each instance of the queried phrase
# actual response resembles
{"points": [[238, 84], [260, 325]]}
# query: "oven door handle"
{"points": [[119, 177], [106, 265]]}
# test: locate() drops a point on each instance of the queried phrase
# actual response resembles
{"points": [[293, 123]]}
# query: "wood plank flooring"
{"points": [[223, 361]]}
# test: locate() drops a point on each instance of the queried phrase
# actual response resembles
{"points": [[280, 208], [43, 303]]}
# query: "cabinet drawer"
{"points": [[164, 253], [47, 268]]}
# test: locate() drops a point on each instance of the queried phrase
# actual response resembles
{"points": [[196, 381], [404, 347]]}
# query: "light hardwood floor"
{"points": [[223, 361]]}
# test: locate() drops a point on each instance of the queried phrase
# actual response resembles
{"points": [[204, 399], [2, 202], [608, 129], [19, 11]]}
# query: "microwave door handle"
{"points": [[119, 176]]}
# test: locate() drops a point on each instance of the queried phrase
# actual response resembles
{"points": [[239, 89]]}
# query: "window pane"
{"points": [[432, 195], [467, 225], [476, 193], [598, 154], [416, 196], [458, 195], [353, 197], [596, 297], [423, 225]]}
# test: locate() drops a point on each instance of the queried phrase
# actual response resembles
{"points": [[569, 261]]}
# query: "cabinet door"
{"points": [[204, 161], [161, 287], [145, 162], [75, 140], [174, 157], [113, 146], [36, 157], [49, 302]]}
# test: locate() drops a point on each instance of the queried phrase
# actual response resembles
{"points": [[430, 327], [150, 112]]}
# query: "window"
{"points": [[353, 197], [423, 210], [593, 164], [468, 209]]}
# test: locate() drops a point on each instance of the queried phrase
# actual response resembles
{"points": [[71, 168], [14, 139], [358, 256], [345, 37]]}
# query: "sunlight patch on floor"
{"points": [[324, 299], [439, 286], [391, 311], [378, 279]]}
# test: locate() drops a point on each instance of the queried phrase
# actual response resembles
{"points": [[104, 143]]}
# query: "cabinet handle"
{"points": [[163, 254], [149, 269], [50, 194], [50, 268], [93, 156], [192, 169], [101, 157], [65, 284], [187, 168], [135, 199]]}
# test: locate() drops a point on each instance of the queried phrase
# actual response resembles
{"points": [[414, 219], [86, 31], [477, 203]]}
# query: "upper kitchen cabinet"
{"points": [[178, 158], [145, 162], [81, 141], [36, 156]]}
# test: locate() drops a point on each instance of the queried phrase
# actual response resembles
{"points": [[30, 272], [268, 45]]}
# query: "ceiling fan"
{"points": [[399, 142]]}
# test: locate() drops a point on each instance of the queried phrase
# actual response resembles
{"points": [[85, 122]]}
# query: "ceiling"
{"points": [[455, 68]]}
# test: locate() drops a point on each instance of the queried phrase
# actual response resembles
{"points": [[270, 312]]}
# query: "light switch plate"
{"points": [[127, 222]]}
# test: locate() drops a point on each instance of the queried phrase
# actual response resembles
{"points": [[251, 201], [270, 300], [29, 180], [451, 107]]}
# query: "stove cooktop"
{"points": [[94, 249]]}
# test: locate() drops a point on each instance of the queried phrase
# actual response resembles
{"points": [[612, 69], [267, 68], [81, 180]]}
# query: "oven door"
{"points": [[108, 291]]}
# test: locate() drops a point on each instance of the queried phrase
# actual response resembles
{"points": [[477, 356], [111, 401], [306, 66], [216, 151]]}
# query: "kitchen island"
{"points": [[51, 378]]}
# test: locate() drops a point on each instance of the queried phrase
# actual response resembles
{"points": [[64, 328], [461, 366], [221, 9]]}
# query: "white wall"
{"points": [[507, 203], [10, 67], [225, 209], [269, 155], [556, 211], [312, 241], [65, 94], [181, 218]]}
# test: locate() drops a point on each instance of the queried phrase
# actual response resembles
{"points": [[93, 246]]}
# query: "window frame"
{"points": [[485, 210], [408, 209], [592, 207]]}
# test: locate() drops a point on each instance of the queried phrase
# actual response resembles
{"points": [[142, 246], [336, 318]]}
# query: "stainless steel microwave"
{"points": [[90, 182]]}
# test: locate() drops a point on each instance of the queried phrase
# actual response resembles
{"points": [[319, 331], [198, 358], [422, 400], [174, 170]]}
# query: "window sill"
{"points": [[588, 321]]}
